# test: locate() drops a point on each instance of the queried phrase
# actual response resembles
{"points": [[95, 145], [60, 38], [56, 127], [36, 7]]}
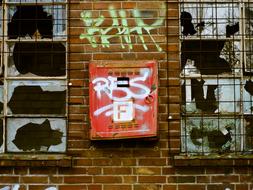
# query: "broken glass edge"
{"points": [[206, 150], [36, 122]]}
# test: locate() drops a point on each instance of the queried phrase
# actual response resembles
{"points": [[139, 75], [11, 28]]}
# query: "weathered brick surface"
{"points": [[131, 164]]}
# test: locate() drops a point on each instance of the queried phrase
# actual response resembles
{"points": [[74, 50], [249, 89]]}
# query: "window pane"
{"points": [[1, 136], [37, 21], [36, 97], [37, 59], [210, 57], [249, 56], [210, 19], [210, 135], [249, 19], [36, 135], [211, 96]]}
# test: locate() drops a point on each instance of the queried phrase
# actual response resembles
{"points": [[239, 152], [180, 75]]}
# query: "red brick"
{"points": [[107, 179], [77, 179], [34, 179], [73, 187], [191, 187], [9, 179], [117, 187], [152, 179]]}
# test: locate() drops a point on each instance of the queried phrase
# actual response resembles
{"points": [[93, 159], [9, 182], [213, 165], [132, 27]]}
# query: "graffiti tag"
{"points": [[119, 22], [109, 87]]}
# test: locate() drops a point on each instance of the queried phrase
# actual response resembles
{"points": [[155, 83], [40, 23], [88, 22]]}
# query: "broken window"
{"points": [[40, 134], [216, 77], [36, 97], [37, 59], [33, 76], [36, 21]]}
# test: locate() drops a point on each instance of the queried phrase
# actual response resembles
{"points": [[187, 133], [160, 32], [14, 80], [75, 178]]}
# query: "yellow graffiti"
{"points": [[93, 29]]}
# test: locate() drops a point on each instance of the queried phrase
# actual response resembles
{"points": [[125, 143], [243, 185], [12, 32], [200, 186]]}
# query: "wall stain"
{"points": [[34, 136], [42, 59], [29, 19], [33, 100]]}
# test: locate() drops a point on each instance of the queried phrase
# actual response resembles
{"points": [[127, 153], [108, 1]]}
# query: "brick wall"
{"points": [[132, 164]]}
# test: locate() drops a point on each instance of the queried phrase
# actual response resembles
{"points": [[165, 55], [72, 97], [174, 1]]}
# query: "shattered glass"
{"points": [[36, 21], [210, 135], [36, 135], [208, 21], [211, 96], [249, 19], [216, 87], [36, 97], [249, 56], [41, 59]]}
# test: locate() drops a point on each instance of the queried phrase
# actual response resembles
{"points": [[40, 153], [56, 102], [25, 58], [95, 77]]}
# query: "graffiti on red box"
{"points": [[123, 99]]}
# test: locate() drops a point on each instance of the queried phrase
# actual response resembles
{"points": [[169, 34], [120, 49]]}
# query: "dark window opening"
{"points": [[42, 59], [33, 136], [32, 21], [34, 100]]}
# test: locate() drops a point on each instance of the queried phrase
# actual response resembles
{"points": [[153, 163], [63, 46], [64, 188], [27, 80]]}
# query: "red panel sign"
{"points": [[123, 99]]}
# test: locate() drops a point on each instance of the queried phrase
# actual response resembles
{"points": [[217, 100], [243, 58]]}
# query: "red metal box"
{"points": [[123, 99]]}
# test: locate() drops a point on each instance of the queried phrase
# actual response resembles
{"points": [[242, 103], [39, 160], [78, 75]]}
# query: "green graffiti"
{"points": [[94, 31]]}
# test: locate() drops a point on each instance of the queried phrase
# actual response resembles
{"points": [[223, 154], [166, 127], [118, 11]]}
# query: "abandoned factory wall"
{"points": [[126, 95]]}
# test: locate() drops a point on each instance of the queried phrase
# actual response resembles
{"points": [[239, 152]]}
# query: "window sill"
{"points": [[38, 160], [214, 160]]}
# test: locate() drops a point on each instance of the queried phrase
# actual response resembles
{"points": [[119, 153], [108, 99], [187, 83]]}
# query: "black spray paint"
{"points": [[33, 136]]}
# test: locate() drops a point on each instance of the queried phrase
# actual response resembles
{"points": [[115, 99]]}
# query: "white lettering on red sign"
{"points": [[123, 111], [109, 87]]}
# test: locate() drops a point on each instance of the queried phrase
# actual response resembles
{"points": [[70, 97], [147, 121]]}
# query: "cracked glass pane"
{"points": [[1, 97], [249, 56], [1, 136], [210, 135], [248, 125], [211, 96], [36, 135], [210, 57], [36, 97], [249, 19], [207, 20], [37, 59], [37, 21], [248, 96]]}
